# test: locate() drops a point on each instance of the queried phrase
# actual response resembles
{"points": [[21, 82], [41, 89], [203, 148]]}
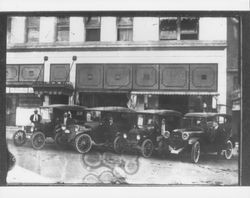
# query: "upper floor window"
{"points": [[125, 28], [62, 29], [179, 28], [93, 28], [32, 29], [8, 29]]}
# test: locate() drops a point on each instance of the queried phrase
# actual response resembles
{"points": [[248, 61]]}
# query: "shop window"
{"points": [[179, 28], [32, 29], [125, 28], [62, 29], [93, 28]]}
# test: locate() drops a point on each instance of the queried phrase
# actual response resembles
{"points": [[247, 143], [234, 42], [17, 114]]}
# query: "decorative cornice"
{"points": [[118, 45]]}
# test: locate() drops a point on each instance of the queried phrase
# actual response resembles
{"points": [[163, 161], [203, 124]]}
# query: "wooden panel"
{"points": [[145, 77], [12, 72], [203, 77], [59, 72], [174, 77], [31, 72], [89, 76], [117, 76]]}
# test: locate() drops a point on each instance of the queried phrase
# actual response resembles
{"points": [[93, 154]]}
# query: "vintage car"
{"points": [[206, 132], [105, 124], [49, 126], [146, 134]]}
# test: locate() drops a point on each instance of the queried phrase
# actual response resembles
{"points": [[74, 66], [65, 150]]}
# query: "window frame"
{"points": [[31, 27], [92, 27], [124, 27], [58, 26], [179, 29]]}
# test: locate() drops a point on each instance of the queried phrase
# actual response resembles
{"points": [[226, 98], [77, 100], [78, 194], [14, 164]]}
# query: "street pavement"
{"points": [[54, 165]]}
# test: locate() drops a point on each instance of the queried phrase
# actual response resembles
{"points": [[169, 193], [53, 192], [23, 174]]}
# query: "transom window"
{"points": [[32, 29], [125, 28], [62, 29], [179, 28], [93, 28]]}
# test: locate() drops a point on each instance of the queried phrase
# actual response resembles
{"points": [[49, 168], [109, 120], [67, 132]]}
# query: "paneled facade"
{"points": [[143, 62]]}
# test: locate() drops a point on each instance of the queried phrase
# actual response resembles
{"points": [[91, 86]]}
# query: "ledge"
{"points": [[118, 45]]}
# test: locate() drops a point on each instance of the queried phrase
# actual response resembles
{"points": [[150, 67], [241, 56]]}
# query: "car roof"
{"points": [[162, 112], [112, 109], [205, 114], [65, 107]]}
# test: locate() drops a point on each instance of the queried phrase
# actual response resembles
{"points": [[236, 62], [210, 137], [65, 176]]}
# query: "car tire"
{"points": [[83, 143], [59, 140], [195, 152], [19, 138], [147, 148], [119, 145], [38, 140], [228, 152]]}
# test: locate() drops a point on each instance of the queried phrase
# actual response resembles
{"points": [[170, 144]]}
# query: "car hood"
{"points": [[188, 130], [137, 131]]}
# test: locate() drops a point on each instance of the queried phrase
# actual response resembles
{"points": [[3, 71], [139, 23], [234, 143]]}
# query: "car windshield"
{"points": [[93, 116], [146, 120], [192, 122]]}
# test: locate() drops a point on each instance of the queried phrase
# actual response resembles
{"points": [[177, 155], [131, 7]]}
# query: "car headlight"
{"points": [[185, 136], [166, 134], [138, 137], [77, 128], [32, 129], [124, 135], [63, 127], [67, 131]]}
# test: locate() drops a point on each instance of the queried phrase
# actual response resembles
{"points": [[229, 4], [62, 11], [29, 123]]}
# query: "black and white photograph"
{"points": [[109, 98], [123, 99]]}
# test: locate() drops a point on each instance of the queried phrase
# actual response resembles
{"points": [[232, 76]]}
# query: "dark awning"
{"points": [[53, 88]]}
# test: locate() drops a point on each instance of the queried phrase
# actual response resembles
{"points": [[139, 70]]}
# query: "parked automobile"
{"points": [[203, 132], [146, 134], [50, 125], [106, 123]]}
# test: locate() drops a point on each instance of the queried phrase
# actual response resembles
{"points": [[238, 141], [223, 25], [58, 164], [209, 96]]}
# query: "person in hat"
{"points": [[35, 118]]}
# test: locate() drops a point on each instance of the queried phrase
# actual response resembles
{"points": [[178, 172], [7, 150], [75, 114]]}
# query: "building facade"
{"points": [[142, 62]]}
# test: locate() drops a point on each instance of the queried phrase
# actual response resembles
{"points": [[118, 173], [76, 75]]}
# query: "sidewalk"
{"points": [[19, 175]]}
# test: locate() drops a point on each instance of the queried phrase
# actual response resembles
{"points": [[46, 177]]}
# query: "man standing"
{"points": [[35, 118]]}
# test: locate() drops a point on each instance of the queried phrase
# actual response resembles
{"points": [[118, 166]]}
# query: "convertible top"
{"points": [[162, 112], [204, 114], [65, 107], [112, 109]]}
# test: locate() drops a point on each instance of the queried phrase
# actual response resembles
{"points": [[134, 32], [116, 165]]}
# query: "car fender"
{"points": [[192, 140]]}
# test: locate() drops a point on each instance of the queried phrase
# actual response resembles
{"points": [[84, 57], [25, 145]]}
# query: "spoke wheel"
{"points": [[195, 152], [19, 138], [83, 143], [119, 145], [60, 140], [38, 140], [147, 148], [228, 153]]}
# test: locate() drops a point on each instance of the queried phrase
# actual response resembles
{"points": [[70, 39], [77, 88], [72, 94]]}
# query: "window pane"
{"points": [[168, 28], [125, 21], [93, 21], [32, 35], [93, 35], [62, 29], [125, 35], [32, 29], [62, 35], [33, 21], [189, 28]]}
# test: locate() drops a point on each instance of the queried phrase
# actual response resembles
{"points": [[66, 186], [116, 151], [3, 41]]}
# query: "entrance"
{"points": [[103, 99], [59, 99], [174, 102]]}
